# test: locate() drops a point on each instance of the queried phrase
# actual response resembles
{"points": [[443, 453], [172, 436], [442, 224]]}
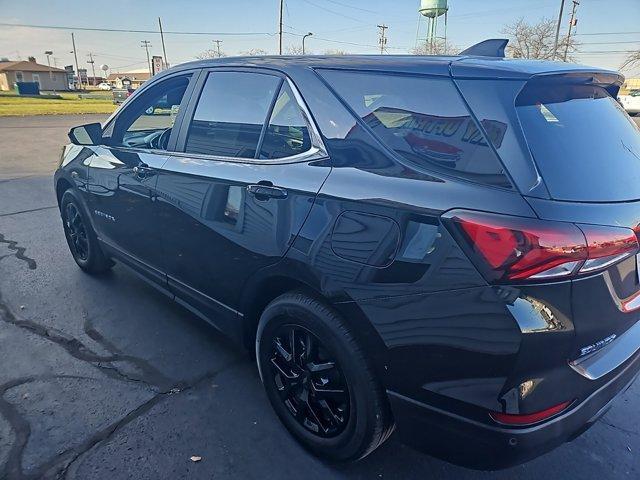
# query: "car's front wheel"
{"points": [[318, 380], [80, 236]]}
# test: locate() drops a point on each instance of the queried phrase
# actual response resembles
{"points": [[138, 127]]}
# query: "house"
{"points": [[131, 79], [49, 78]]}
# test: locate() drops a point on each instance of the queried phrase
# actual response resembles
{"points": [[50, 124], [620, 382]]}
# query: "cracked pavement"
{"points": [[105, 378]]}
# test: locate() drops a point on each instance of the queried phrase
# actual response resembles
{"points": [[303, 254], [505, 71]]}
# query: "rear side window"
{"points": [[287, 133], [230, 114], [585, 146], [424, 120]]}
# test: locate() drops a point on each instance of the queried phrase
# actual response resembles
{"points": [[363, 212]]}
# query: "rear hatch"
{"points": [[587, 150]]}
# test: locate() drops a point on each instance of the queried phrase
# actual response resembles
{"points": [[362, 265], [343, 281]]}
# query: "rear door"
{"points": [[235, 198]]}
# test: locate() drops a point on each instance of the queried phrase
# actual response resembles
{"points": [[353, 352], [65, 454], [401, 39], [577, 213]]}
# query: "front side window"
{"points": [[231, 113], [147, 121], [424, 120], [287, 133]]}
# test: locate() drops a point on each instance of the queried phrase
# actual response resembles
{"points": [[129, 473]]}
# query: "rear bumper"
{"points": [[488, 447]]}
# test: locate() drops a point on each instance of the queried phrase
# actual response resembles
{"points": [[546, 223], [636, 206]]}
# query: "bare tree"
{"points": [[527, 40], [254, 52], [210, 53], [439, 47], [631, 61], [335, 52], [294, 50]]}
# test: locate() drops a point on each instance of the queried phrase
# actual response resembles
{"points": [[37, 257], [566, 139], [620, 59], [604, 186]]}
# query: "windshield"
{"points": [[584, 144]]}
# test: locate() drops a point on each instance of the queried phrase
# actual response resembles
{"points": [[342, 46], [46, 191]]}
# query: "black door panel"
{"points": [[217, 233], [121, 201]]}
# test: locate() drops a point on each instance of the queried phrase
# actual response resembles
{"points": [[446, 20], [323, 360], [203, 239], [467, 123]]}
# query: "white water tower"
{"points": [[432, 9]]}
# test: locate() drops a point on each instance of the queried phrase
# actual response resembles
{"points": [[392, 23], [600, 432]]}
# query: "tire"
{"points": [[340, 429], [81, 239]]}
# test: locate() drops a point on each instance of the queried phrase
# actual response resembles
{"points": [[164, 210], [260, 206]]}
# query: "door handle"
{"points": [[266, 191], [142, 170]]}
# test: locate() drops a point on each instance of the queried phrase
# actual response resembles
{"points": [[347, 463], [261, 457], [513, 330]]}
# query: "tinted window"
{"points": [[287, 132], [583, 143], [230, 114], [148, 120], [424, 120]]}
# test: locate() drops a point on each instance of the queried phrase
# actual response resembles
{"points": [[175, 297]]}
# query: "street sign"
{"points": [[157, 64]]}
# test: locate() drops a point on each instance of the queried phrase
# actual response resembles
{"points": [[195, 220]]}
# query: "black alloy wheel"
{"points": [[82, 240], [309, 381], [77, 232], [318, 379]]}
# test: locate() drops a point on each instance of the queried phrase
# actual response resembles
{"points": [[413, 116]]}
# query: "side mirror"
{"points": [[89, 134]]}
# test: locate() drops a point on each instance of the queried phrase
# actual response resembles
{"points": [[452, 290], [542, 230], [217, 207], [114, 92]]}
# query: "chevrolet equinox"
{"points": [[445, 246]]}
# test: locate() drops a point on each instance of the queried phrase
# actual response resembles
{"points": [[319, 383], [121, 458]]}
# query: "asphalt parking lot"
{"points": [[104, 378]]}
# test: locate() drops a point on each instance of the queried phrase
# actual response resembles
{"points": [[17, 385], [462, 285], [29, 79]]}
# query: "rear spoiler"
{"points": [[610, 81]]}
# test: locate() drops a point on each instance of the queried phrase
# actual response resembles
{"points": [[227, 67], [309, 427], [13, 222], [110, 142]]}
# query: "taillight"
{"points": [[516, 249], [530, 418], [607, 245]]}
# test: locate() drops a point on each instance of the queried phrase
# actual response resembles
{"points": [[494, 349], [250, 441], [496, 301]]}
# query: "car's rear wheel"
{"points": [[80, 236], [318, 380]]}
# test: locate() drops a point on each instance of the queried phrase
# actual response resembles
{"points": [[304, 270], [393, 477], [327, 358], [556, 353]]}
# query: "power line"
{"points": [[351, 6], [609, 43], [607, 33], [123, 30], [599, 52], [333, 11]]}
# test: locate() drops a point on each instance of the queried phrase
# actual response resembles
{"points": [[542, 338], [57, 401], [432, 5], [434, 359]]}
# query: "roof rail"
{"points": [[493, 47]]}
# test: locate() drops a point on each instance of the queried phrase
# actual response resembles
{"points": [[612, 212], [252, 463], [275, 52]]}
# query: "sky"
{"points": [[606, 34]]}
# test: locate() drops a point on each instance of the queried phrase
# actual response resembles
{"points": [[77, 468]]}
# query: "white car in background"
{"points": [[104, 86], [631, 102]]}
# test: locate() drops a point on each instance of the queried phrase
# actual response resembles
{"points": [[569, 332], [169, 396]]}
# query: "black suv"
{"points": [[442, 245]]}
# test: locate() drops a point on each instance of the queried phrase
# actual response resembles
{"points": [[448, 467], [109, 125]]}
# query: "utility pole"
{"points": [[280, 31], [93, 68], [218, 42], [146, 44], [304, 37], [164, 51], [75, 55], [555, 44], [572, 23], [382, 40]]}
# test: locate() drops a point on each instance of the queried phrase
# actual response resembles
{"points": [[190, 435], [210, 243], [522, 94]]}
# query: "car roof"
{"points": [[457, 66]]}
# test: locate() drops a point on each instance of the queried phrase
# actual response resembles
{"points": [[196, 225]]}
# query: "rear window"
{"points": [[584, 144], [424, 120]]}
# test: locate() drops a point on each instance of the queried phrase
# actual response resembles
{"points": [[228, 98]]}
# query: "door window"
{"points": [[231, 113], [287, 133], [148, 120]]}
